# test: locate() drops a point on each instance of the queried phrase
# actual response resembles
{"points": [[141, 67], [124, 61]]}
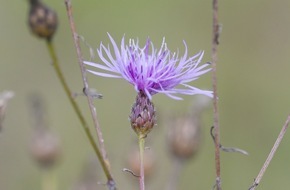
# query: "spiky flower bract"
{"points": [[150, 70], [142, 117]]}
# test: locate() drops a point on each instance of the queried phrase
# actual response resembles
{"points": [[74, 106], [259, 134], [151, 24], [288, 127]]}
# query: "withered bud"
{"points": [[142, 116], [45, 148], [184, 136], [42, 20], [134, 162]]}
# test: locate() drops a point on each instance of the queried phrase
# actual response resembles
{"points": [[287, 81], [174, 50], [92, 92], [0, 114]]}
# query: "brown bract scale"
{"points": [[142, 116], [42, 20]]}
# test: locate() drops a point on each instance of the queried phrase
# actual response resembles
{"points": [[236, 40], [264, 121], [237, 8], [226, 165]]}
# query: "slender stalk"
{"points": [[175, 174], [271, 154], [48, 179], [141, 149], [215, 36], [84, 78], [77, 109], [106, 166]]}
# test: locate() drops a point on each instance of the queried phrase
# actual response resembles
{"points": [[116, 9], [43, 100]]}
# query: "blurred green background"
{"points": [[253, 88]]}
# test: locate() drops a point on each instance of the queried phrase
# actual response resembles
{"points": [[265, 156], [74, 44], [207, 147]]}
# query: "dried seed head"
{"points": [[142, 116], [184, 137], [42, 20], [45, 148]]}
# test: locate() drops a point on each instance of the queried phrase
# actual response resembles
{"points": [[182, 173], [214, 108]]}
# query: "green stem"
{"points": [[141, 149], [48, 179], [77, 110], [175, 175]]}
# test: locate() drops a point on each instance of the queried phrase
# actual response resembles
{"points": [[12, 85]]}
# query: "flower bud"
{"points": [[45, 148], [142, 116], [184, 137], [42, 20]]}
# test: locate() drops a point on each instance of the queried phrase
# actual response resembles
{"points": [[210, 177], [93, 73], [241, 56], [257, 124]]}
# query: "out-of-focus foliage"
{"points": [[253, 89]]}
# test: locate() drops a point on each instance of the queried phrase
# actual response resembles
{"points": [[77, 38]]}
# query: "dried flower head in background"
{"points": [[184, 132], [4, 98], [184, 137], [152, 72], [42, 20], [45, 148]]}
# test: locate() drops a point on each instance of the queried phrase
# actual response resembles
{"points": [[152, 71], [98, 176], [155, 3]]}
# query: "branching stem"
{"points": [[271, 154], [103, 158], [85, 126], [215, 38]]}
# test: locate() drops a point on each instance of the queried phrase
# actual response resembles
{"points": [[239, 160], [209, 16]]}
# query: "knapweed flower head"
{"points": [[149, 70]]}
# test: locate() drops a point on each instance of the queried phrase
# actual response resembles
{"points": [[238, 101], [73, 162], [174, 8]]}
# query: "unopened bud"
{"points": [[42, 20], [142, 116], [184, 136], [45, 148]]}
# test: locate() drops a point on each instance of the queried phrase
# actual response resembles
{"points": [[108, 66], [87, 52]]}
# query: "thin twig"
{"points": [[130, 172], [215, 38], [103, 159], [74, 104], [271, 154], [228, 149]]}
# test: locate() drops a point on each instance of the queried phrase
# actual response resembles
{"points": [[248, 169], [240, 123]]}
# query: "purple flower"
{"points": [[151, 71]]}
